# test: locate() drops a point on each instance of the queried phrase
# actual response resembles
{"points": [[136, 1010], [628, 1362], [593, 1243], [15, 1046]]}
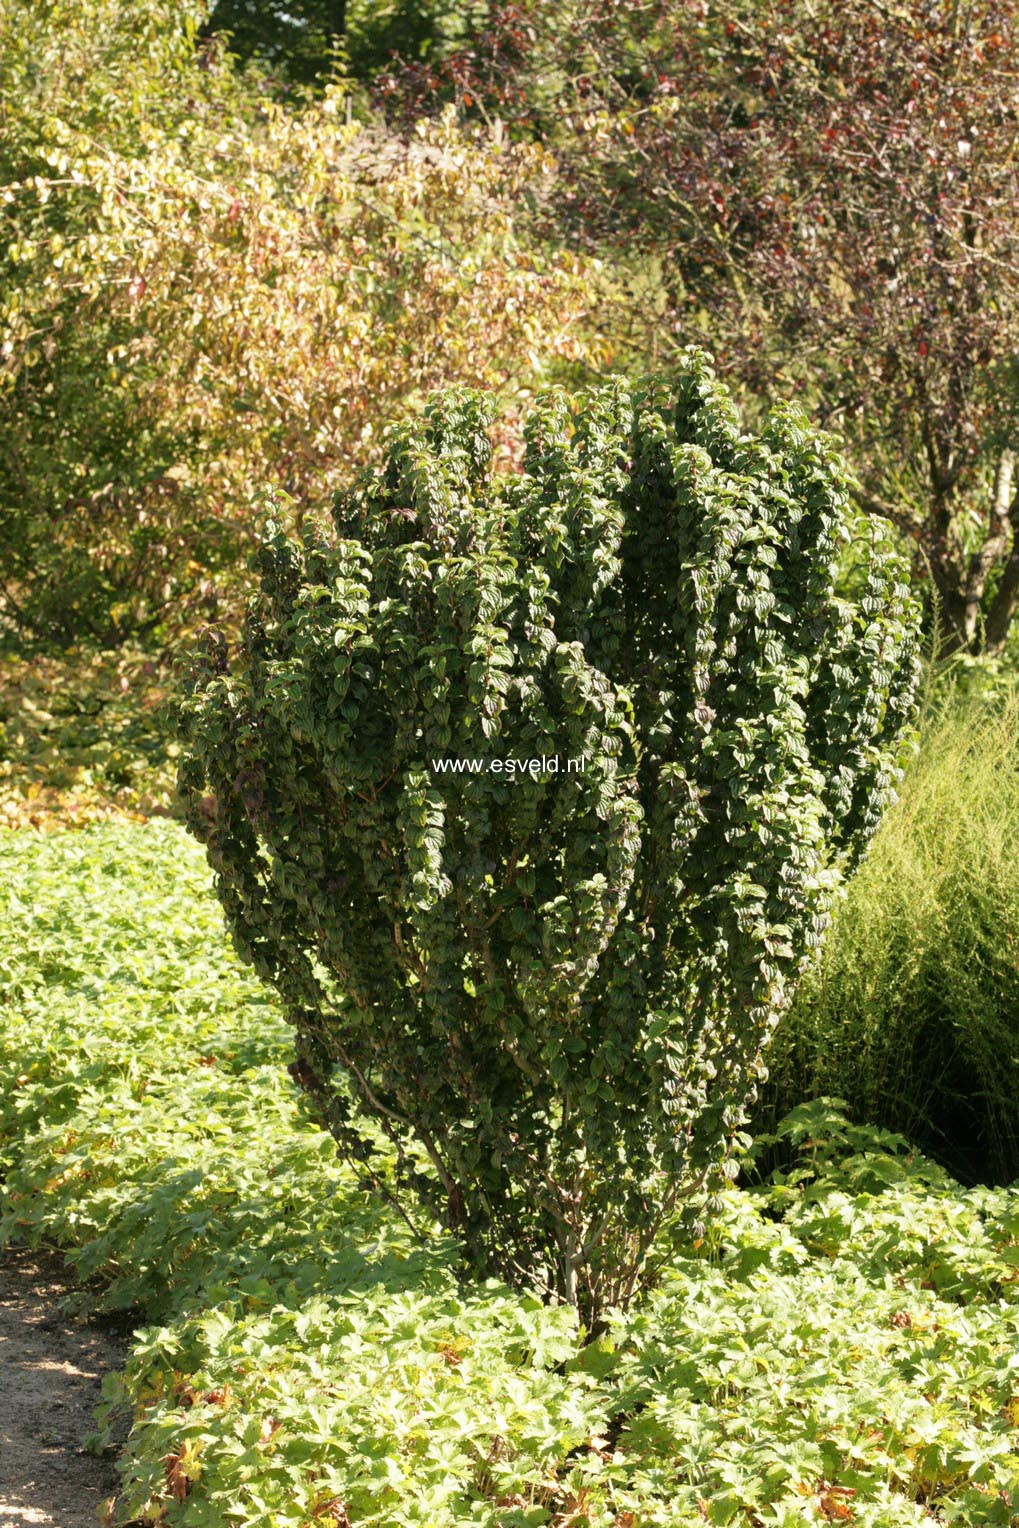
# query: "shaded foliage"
{"points": [[84, 735], [302, 41]]}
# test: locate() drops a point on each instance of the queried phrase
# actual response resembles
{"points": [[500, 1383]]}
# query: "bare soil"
{"points": [[51, 1370]]}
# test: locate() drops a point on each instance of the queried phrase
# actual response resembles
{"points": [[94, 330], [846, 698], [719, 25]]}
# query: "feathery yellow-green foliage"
{"points": [[912, 1012]]}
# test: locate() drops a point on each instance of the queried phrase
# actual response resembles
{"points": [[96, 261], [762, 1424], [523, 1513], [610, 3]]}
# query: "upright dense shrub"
{"points": [[911, 1011], [557, 985]]}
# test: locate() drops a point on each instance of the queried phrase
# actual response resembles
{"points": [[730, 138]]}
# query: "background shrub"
{"points": [[725, 160], [912, 1011], [217, 293], [557, 986]]}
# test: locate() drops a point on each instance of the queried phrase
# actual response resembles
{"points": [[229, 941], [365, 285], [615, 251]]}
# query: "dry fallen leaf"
{"points": [[334, 1510]]}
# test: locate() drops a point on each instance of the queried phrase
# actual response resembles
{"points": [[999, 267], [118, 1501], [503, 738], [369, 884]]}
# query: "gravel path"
{"points": [[51, 1368]]}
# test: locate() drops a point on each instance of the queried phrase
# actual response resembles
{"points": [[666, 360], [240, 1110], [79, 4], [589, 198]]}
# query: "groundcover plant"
{"points": [[552, 992], [841, 1347]]}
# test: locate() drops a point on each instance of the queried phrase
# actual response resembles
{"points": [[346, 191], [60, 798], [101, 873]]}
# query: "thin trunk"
{"points": [[569, 1266], [966, 622], [1002, 609], [948, 574]]}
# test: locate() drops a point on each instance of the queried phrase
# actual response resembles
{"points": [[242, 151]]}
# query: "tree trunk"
{"points": [[1005, 602], [1003, 607], [967, 620]]}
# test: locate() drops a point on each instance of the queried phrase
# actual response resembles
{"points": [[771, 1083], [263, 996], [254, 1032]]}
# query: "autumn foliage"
{"points": [[228, 296], [826, 193]]}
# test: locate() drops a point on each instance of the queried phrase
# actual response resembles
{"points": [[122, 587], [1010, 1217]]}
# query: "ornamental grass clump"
{"points": [[911, 1011], [552, 988]]}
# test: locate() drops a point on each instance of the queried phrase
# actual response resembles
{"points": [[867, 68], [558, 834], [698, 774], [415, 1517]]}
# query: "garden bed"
{"points": [[843, 1346]]}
